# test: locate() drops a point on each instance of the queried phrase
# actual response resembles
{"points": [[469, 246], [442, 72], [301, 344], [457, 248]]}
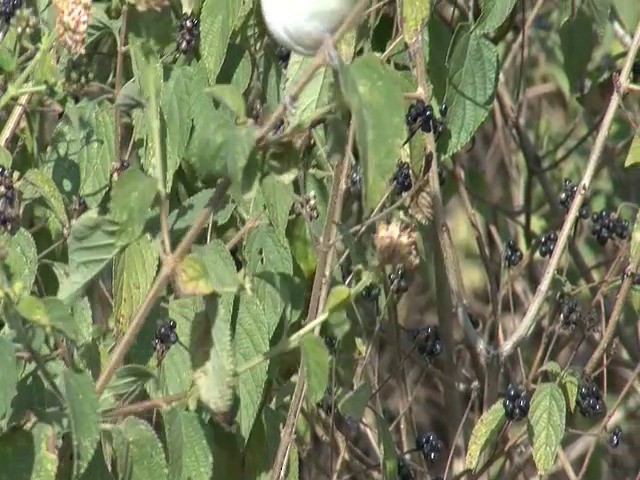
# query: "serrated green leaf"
{"points": [[494, 13], [93, 242], [9, 369], [82, 151], [138, 450], [315, 94], [84, 419], [577, 41], [21, 257], [208, 269], [473, 75], [132, 197], [315, 359], [217, 20], [570, 382], [485, 429], [552, 367], [36, 184], [278, 198], [354, 403], [183, 217], [24, 455], [546, 422], [379, 121], [128, 381], [302, 246], [633, 157], [215, 378], [230, 96], [415, 14], [251, 339], [47, 313], [134, 270], [439, 34], [388, 454], [188, 446]]}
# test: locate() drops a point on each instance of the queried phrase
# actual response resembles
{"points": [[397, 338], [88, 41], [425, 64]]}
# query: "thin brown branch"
{"points": [[14, 119], [531, 316], [140, 407]]}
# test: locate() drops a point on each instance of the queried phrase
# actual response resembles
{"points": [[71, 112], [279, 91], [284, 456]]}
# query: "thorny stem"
{"points": [[528, 322]]}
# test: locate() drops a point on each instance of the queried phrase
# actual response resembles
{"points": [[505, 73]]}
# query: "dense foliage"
{"points": [[222, 260]]}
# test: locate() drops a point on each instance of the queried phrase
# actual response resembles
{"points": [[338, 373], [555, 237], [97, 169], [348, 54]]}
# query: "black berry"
{"points": [[606, 225], [188, 33], [428, 342], [515, 403], [331, 343], [165, 337], [512, 254], [355, 180], [589, 400], [547, 244], [398, 281], [429, 445], [570, 313], [283, 54], [8, 8], [615, 437], [402, 178]]}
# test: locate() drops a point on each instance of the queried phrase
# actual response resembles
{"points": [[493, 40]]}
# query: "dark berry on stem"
{"points": [[615, 438], [515, 403], [188, 33], [589, 400], [444, 108], [398, 281], [402, 178], [430, 446], [512, 254], [547, 244], [8, 8], [331, 343], [428, 342]]}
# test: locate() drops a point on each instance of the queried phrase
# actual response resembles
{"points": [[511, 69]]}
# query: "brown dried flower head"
{"points": [[396, 244], [72, 21]]}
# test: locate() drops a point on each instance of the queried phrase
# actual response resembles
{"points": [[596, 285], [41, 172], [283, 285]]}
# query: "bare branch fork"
{"points": [[531, 316]]}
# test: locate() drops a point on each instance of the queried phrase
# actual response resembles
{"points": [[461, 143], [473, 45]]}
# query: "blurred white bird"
{"points": [[303, 26]]}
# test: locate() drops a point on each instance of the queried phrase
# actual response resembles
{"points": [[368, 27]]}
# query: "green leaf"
{"points": [[84, 419], [220, 269], [315, 95], [338, 298], [9, 369], [388, 454], [128, 381], [577, 41], [315, 359], [132, 197], [36, 184], [24, 455], [278, 198], [188, 446], [93, 242], [553, 368], [485, 430], [570, 382], [48, 312], [21, 257], [598, 10], [134, 270], [177, 117], [5, 157], [473, 75], [633, 157], [628, 13], [230, 96], [374, 95], [251, 340], [439, 34], [217, 20], [355, 402], [215, 378], [494, 13], [546, 425], [139, 452], [302, 245], [180, 219], [82, 151]]}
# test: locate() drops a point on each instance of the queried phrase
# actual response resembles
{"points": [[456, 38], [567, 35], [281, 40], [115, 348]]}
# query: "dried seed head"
{"points": [[396, 244], [72, 21]]}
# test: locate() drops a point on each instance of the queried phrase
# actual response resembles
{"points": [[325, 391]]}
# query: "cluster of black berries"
{"points": [[516, 403], [512, 254], [404, 470], [589, 400], [547, 244], [402, 178], [8, 8], [8, 209], [569, 190], [570, 313], [430, 446], [331, 343], [606, 225], [188, 33], [615, 437], [283, 55], [421, 115], [428, 342], [398, 280], [165, 337]]}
